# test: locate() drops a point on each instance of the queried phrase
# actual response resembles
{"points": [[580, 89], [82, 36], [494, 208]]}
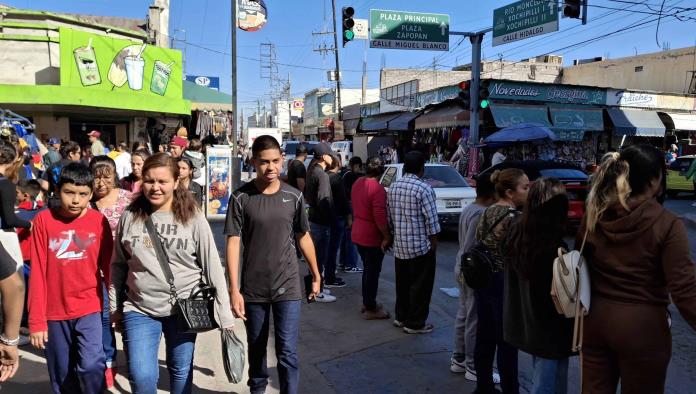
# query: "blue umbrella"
{"points": [[523, 132]]}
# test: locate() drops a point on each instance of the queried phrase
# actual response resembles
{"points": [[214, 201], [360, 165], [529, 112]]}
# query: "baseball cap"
{"points": [[321, 149], [54, 140], [94, 133], [179, 141]]}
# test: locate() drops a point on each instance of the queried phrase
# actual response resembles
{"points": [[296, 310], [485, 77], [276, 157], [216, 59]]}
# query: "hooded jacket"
{"points": [[642, 258], [198, 160]]}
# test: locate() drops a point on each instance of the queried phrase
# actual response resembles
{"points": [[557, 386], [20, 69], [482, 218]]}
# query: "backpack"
{"points": [[477, 264], [570, 289]]}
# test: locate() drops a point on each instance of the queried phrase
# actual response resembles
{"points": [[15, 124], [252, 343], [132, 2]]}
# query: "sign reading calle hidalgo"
{"points": [[524, 19], [409, 30]]}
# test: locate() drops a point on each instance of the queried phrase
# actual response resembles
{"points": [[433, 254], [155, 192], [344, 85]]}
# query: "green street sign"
{"points": [[409, 30], [524, 19]]}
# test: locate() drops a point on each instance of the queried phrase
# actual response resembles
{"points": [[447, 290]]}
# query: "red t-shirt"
{"points": [[369, 211], [66, 257], [24, 234]]}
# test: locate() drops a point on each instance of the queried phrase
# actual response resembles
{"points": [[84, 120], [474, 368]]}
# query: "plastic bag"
{"points": [[233, 355]]}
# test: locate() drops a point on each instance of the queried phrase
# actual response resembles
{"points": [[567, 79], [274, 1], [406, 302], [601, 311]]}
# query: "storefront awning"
{"points": [[510, 115], [376, 122], [636, 122], [350, 126], [451, 116], [570, 123], [402, 122], [206, 99], [676, 121]]}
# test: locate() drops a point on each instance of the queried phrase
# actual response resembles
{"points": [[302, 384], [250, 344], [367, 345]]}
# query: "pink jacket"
{"points": [[369, 212]]}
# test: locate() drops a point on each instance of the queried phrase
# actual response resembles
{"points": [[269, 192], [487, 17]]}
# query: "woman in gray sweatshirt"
{"points": [[140, 296]]}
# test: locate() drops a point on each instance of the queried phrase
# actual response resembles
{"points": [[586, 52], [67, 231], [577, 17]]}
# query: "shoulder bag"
{"points": [[195, 313]]}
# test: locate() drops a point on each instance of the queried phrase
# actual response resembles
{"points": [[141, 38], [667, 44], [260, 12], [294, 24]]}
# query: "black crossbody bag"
{"points": [[195, 313], [476, 268]]}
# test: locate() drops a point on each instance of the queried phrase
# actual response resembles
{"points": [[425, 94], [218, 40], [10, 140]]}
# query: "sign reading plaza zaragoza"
{"points": [[524, 19]]}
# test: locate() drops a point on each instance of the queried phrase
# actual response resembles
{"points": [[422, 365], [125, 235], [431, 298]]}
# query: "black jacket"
{"points": [[530, 320], [319, 197], [340, 198]]}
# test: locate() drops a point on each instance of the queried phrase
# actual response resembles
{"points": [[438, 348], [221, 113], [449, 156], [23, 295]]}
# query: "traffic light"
{"points": [[572, 8], [483, 95], [348, 24], [465, 93]]}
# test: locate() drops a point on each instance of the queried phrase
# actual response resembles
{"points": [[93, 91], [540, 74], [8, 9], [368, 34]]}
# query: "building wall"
{"points": [[667, 71], [52, 126]]}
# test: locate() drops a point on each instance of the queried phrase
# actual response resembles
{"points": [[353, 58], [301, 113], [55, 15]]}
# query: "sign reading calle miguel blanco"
{"points": [[409, 30]]}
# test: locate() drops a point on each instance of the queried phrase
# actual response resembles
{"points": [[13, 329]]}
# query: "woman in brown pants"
{"points": [[638, 254]]}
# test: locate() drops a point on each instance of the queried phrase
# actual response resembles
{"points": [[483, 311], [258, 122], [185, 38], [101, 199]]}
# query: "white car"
{"points": [[290, 149], [451, 190], [344, 149]]}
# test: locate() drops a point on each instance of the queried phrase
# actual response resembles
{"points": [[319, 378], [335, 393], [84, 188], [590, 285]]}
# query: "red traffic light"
{"points": [[465, 85]]}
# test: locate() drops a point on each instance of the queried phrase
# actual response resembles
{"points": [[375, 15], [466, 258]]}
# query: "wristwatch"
{"points": [[9, 342]]}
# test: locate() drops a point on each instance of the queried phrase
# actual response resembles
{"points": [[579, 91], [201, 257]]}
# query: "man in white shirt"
{"points": [[123, 161], [498, 157]]}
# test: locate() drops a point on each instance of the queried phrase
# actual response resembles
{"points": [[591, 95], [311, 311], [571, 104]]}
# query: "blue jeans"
{"points": [[108, 337], [550, 376], [75, 356], [348, 250], [321, 235], [142, 335], [286, 320]]}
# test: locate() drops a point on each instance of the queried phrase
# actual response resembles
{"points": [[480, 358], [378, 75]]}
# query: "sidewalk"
{"points": [[683, 207]]}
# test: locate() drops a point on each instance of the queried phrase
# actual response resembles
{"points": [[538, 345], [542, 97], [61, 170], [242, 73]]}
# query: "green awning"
{"points": [[204, 98], [571, 123], [78, 96], [506, 115]]}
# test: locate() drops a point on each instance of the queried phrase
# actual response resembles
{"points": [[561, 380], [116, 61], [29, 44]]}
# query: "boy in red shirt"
{"points": [[69, 245]]}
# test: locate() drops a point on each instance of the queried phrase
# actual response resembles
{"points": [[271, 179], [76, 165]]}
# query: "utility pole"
{"points": [[363, 99], [476, 39], [338, 70], [236, 162], [289, 109]]}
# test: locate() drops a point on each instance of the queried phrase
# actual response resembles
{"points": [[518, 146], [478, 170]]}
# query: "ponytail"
{"points": [[609, 186]]}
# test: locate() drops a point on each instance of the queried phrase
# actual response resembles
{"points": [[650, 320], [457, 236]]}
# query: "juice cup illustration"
{"points": [[135, 70], [160, 77], [87, 65]]}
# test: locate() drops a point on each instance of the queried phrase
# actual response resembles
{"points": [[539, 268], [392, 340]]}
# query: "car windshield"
{"points": [[291, 148], [563, 173], [443, 176]]}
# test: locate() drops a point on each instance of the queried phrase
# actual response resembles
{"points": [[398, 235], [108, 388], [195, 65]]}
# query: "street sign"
{"points": [[361, 29], [524, 19], [409, 30]]}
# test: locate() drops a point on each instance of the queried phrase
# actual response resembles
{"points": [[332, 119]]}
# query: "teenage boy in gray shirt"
{"points": [[265, 219]]}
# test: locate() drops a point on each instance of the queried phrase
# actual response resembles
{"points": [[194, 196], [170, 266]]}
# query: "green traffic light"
{"points": [[349, 35], [484, 104]]}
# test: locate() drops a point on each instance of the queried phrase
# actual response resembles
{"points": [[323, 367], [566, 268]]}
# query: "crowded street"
{"points": [[347, 196]]}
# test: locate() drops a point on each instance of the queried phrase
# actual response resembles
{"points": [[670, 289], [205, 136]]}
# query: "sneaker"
{"points": [[323, 297], [326, 291], [353, 270], [338, 282], [458, 367], [423, 330], [471, 375], [377, 314], [109, 375], [23, 340], [398, 324]]}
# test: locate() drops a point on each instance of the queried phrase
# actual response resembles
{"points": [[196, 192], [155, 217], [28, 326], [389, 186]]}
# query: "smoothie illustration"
{"points": [[135, 70], [160, 77], [86, 62], [117, 72]]}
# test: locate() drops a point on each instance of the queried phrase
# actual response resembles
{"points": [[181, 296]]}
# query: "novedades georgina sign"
{"points": [[551, 93]]}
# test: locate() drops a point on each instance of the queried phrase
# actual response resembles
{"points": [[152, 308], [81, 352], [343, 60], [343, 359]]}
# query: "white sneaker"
{"points": [[327, 291], [471, 375], [323, 297], [457, 367], [496, 378]]}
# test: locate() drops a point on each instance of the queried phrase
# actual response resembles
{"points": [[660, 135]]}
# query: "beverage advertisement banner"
{"points": [[219, 180], [521, 91], [99, 62]]}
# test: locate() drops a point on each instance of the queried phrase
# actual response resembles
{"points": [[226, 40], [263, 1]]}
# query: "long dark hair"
{"points": [[184, 207], [537, 233]]}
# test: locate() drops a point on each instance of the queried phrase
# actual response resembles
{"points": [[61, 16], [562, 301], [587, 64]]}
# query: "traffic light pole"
{"points": [[338, 70], [236, 177], [476, 39]]}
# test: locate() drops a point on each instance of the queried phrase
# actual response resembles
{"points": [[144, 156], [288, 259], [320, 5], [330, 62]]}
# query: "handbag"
{"points": [[570, 289], [195, 313], [477, 264], [233, 355]]}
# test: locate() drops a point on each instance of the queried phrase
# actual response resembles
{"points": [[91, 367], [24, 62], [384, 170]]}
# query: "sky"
{"points": [[202, 32]]}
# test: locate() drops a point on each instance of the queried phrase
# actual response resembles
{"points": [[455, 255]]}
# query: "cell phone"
{"points": [[308, 288]]}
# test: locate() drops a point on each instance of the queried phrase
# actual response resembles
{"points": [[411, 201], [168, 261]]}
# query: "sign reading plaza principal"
{"points": [[409, 30], [524, 19]]}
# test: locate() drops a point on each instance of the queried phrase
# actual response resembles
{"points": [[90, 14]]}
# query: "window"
{"points": [[443, 176], [388, 176], [638, 69]]}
